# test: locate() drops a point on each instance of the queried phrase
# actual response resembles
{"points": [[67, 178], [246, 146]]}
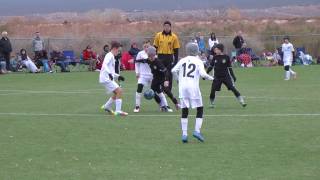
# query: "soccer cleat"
{"points": [[164, 109], [120, 113], [286, 79], [198, 136], [110, 111], [241, 101], [184, 139], [136, 109], [169, 109]]}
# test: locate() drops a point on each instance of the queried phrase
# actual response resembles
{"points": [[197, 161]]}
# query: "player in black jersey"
{"points": [[223, 74], [161, 76]]}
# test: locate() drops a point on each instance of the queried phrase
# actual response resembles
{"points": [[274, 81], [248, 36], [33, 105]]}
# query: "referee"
{"points": [[167, 44]]}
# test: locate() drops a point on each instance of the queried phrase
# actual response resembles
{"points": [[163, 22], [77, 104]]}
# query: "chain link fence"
{"points": [[259, 44]]}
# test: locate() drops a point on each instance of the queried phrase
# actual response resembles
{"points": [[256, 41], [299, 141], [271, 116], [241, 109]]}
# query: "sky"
{"points": [[28, 7]]}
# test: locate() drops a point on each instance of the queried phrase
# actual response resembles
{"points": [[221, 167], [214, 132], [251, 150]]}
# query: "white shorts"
{"points": [[193, 103], [146, 81], [110, 86], [287, 63]]}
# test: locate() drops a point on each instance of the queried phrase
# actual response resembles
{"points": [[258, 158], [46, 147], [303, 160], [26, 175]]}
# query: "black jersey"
{"points": [[158, 70], [222, 66]]}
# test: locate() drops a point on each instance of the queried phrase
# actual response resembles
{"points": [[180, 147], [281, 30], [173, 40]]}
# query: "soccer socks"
{"points": [[108, 104], [240, 99], [287, 75], [138, 99], [164, 102], [118, 105], [292, 73], [184, 126], [198, 125]]}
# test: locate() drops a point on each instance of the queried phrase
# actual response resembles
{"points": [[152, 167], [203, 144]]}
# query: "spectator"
{"points": [[211, 55], [200, 41], [106, 50], [27, 62], [90, 58], [244, 49], [305, 58], [37, 44], [15, 63], [212, 40], [276, 55], [58, 58], [244, 56], [6, 49], [127, 61], [318, 60], [134, 50], [271, 58], [3, 69], [197, 37], [202, 44], [204, 59], [238, 41], [118, 58], [42, 59]]}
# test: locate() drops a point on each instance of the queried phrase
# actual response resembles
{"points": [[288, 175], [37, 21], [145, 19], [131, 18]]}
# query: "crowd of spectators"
{"points": [[40, 60]]}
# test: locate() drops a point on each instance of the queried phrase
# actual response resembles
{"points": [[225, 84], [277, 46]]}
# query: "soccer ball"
{"points": [[148, 94]]}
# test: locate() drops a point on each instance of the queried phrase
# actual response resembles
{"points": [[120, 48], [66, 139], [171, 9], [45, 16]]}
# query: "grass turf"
{"points": [[51, 128]]}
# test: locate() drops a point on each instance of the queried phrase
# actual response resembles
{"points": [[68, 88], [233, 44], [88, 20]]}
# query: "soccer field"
{"points": [[51, 127]]}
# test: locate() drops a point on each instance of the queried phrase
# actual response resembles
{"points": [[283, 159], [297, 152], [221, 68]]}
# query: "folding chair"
{"points": [[70, 57]]}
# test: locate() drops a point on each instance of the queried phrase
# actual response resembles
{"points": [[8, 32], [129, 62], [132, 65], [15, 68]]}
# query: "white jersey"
{"points": [[189, 70], [108, 67], [287, 50], [212, 43], [143, 69]]}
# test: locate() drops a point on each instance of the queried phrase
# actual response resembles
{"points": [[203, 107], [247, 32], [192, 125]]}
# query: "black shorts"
{"points": [[227, 81], [156, 85]]}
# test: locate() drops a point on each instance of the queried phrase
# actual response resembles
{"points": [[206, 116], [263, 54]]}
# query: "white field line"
{"points": [[89, 91], [160, 115]]}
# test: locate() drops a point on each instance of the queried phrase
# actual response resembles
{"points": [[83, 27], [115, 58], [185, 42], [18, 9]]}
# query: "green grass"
{"points": [[51, 128]]}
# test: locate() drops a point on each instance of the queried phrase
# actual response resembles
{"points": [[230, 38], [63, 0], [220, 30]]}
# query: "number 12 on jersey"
{"points": [[187, 71]]}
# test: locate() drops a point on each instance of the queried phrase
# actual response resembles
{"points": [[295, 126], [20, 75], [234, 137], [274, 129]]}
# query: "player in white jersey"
{"points": [[189, 70], [107, 78], [288, 55], [143, 74]]}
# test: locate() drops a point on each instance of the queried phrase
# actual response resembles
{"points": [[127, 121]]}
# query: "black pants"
{"points": [[167, 61], [8, 64]]}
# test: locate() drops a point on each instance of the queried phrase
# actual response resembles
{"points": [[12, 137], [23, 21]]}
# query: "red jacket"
{"points": [[87, 55], [127, 61]]}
